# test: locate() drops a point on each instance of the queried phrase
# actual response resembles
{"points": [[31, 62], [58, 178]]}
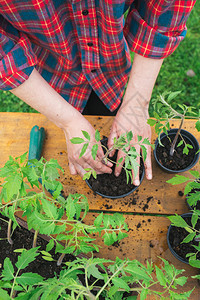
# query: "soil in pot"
{"points": [[23, 238], [177, 235], [178, 161], [109, 184]]}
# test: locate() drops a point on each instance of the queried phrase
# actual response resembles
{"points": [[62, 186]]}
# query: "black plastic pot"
{"points": [[123, 195], [185, 134], [168, 241]]}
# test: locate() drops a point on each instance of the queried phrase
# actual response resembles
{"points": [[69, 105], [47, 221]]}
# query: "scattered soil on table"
{"points": [[109, 184], [178, 161], [177, 235]]}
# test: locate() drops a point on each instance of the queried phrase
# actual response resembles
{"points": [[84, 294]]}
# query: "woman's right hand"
{"points": [[76, 164]]}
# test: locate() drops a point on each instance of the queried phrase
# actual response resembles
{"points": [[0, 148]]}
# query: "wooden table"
{"points": [[147, 232]]}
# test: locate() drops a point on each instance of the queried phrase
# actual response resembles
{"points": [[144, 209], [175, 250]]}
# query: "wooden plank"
{"points": [[155, 196]]}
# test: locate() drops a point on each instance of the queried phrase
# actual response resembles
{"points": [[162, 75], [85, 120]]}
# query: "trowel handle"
{"points": [[37, 136]]}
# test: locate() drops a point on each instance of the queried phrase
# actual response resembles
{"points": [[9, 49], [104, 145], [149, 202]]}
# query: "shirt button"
{"points": [[93, 71], [90, 44], [85, 12]]}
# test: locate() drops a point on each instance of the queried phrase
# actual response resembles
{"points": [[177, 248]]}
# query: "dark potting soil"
{"points": [[177, 235], [23, 238], [109, 184], [178, 161]]}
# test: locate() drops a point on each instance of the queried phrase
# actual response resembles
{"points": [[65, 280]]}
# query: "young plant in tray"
{"points": [[123, 143], [59, 218], [92, 279], [164, 113]]}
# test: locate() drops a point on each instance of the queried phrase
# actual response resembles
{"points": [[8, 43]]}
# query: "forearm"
{"points": [[37, 93], [142, 79]]}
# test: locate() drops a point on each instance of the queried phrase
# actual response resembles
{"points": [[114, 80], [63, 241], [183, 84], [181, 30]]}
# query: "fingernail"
{"points": [[117, 174], [149, 176], [137, 182]]}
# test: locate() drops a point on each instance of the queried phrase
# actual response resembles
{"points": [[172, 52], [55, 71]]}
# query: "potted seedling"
{"points": [[108, 185], [184, 237], [176, 150]]}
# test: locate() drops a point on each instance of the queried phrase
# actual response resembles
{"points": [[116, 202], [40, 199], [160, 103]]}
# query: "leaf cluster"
{"points": [[124, 143], [102, 278], [163, 113], [58, 217]]}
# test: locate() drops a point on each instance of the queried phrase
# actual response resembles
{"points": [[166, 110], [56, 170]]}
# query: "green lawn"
{"points": [[172, 76]]}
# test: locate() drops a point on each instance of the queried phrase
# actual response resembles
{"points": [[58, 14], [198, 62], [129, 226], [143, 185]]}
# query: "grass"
{"points": [[172, 76]]}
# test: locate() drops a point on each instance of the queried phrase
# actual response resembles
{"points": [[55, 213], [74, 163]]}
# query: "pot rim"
{"points": [[123, 195], [193, 141]]}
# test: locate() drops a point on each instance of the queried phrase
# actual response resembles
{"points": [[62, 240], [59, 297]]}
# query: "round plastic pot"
{"points": [[168, 242], [123, 195], [191, 139]]}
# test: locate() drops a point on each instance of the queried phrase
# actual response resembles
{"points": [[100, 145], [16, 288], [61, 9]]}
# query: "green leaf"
{"points": [[178, 179], [97, 136], [120, 283], [189, 238], [151, 122], [194, 263], [144, 152], [196, 174], [29, 279], [180, 143], [194, 220], [161, 277], [86, 134], [94, 151], [77, 140], [8, 270], [129, 136], [13, 185], [197, 125], [83, 150], [50, 245], [48, 258], [4, 295], [178, 221], [26, 258], [98, 220], [173, 95], [181, 280], [50, 209]]}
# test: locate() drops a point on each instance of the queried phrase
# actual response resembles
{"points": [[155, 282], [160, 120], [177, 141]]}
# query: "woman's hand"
{"points": [[132, 116], [76, 164]]}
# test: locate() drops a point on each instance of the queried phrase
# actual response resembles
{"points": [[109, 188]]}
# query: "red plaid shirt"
{"points": [[80, 45]]}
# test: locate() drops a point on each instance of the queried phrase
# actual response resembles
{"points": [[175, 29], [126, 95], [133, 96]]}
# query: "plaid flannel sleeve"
{"points": [[17, 59], [154, 28]]}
